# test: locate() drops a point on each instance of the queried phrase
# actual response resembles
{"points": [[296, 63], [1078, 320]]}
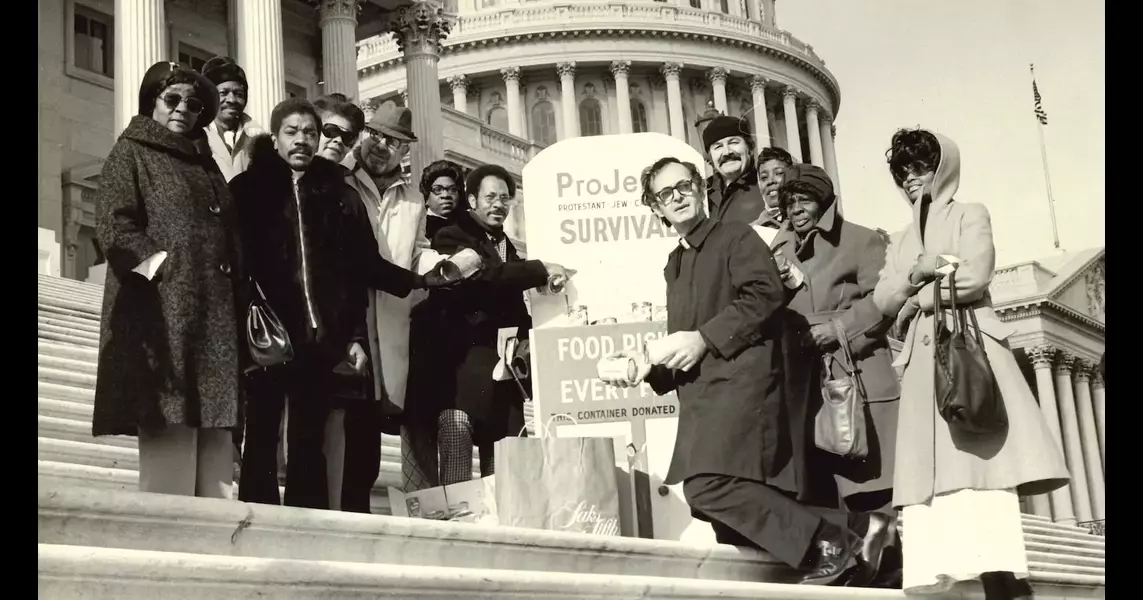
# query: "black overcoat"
{"points": [[169, 347], [733, 416], [842, 262], [454, 334]]}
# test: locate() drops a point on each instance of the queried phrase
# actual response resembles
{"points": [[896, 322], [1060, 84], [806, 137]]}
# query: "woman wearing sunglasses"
{"points": [[169, 359], [341, 124]]}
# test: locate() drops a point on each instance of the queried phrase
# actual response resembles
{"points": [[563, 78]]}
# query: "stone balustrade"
{"points": [[485, 143], [666, 19]]}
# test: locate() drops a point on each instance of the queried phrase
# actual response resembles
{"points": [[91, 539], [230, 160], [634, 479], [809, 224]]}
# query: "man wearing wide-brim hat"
{"points": [[232, 129], [397, 214]]}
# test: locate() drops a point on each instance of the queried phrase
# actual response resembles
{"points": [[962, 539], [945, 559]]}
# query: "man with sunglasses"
{"points": [[232, 130], [397, 215], [737, 448]]}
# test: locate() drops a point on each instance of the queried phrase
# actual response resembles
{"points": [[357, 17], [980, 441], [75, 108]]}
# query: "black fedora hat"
{"points": [[154, 81], [393, 121]]}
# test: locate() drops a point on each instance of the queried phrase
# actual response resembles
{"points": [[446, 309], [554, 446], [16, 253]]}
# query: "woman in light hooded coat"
{"points": [[961, 512]]}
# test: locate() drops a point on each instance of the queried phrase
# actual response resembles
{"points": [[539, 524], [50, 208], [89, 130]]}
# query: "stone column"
{"points": [[813, 133], [1089, 439], [140, 41], [717, 77], [339, 46], [758, 85], [753, 10], [671, 72], [566, 71], [459, 85], [1097, 401], [1042, 356], [768, 17], [1073, 446], [790, 106], [829, 155], [511, 77], [261, 54], [418, 30], [619, 70]]}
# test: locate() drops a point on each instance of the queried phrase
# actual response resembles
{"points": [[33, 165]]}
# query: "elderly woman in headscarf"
{"points": [[832, 266], [169, 345], [959, 491]]}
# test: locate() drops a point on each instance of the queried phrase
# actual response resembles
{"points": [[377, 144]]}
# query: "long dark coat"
{"points": [[342, 259], [733, 416], [169, 347], [842, 262], [454, 334], [739, 202]]}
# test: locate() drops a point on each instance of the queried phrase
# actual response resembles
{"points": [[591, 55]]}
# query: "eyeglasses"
{"points": [[440, 189], [332, 131], [381, 138], [501, 199], [173, 100], [684, 188]]}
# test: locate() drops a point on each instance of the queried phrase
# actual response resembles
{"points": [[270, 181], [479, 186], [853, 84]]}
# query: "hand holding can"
{"points": [[622, 369], [462, 265]]}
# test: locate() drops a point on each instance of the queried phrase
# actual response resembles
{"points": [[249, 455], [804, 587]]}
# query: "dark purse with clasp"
{"points": [[266, 337], [967, 395]]}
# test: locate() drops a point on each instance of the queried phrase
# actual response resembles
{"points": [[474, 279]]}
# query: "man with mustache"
{"points": [[397, 216], [308, 246], [230, 134]]}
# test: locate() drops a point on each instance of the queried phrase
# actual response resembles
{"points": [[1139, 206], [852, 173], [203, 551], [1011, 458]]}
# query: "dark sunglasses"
{"points": [[332, 131], [173, 100]]}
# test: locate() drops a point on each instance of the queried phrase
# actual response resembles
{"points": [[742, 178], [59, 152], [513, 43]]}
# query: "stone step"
{"points": [[79, 431], [69, 393], [80, 307], [50, 308], [63, 409], [82, 325], [83, 367], [97, 573], [85, 355], [1035, 525], [74, 379], [59, 327], [50, 292], [69, 286], [62, 337]]}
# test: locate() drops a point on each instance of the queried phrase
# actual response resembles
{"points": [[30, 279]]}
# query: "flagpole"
{"points": [[1047, 176]]}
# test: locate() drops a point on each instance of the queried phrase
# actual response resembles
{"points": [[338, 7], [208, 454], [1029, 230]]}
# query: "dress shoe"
{"points": [[838, 561], [873, 545], [890, 575]]}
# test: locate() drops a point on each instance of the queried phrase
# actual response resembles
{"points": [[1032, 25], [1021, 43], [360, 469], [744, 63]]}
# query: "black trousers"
{"points": [[749, 513], [306, 386], [362, 453]]}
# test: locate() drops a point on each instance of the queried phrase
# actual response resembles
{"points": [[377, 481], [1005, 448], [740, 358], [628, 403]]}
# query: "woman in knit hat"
{"points": [[169, 346], [831, 267]]}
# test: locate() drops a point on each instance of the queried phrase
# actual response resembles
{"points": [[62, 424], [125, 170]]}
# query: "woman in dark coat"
{"points": [[453, 350], [840, 263], [442, 186], [169, 346]]}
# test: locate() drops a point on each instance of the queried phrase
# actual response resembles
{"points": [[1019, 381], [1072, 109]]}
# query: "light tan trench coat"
{"points": [[932, 460]]}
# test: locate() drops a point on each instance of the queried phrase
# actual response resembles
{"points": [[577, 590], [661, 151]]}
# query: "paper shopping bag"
{"points": [[561, 484], [468, 501]]}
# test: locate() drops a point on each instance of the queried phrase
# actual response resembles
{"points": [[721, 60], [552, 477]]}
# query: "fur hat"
{"points": [[812, 177], [723, 127], [155, 80], [221, 69]]}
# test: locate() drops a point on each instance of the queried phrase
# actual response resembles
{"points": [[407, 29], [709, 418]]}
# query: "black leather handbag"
{"points": [[967, 394], [266, 337]]}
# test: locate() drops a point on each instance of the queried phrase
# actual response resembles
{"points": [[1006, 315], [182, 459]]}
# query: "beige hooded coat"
{"points": [[932, 460]]}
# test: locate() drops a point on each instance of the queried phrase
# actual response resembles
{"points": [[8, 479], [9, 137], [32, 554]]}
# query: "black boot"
{"points": [[837, 560], [891, 574], [873, 546]]}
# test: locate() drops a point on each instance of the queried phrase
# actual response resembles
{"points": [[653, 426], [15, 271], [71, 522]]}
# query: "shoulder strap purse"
{"points": [[266, 337], [839, 427], [967, 395]]}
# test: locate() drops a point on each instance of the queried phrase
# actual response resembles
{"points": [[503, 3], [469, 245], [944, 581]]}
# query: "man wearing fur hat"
{"points": [[230, 133], [733, 188]]}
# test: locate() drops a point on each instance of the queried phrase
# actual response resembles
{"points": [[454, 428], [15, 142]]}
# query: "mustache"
{"points": [[729, 157], [304, 150]]}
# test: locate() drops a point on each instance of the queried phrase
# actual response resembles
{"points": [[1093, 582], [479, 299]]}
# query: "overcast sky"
{"points": [[961, 68]]}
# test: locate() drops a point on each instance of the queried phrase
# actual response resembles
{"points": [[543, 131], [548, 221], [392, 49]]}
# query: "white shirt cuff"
{"points": [[151, 265]]}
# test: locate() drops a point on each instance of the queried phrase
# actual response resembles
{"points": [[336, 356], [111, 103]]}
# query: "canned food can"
{"points": [[660, 313], [642, 311], [618, 368], [577, 315], [555, 285]]}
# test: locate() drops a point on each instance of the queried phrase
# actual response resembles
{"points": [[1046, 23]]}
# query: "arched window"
{"points": [[498, 118], [543, 123], [696, 3], [638, 117], [590, 117]]}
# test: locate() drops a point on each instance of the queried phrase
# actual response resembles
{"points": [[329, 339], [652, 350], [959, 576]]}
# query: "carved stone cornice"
{"points": [[510, 74], [1081, 370], [620, 68], [717, 75], [671, 70], [759, 82], [419, 28], [338, 9], [1041, 356], [815, 106], [1064, 362], [790, 92], [566, 69], [458, 82]]}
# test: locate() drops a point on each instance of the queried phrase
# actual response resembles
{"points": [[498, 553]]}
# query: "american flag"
{"points": [[1041, 116]]}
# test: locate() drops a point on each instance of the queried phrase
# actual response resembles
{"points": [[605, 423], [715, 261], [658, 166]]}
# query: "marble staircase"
{"points": [[100, 538]]}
